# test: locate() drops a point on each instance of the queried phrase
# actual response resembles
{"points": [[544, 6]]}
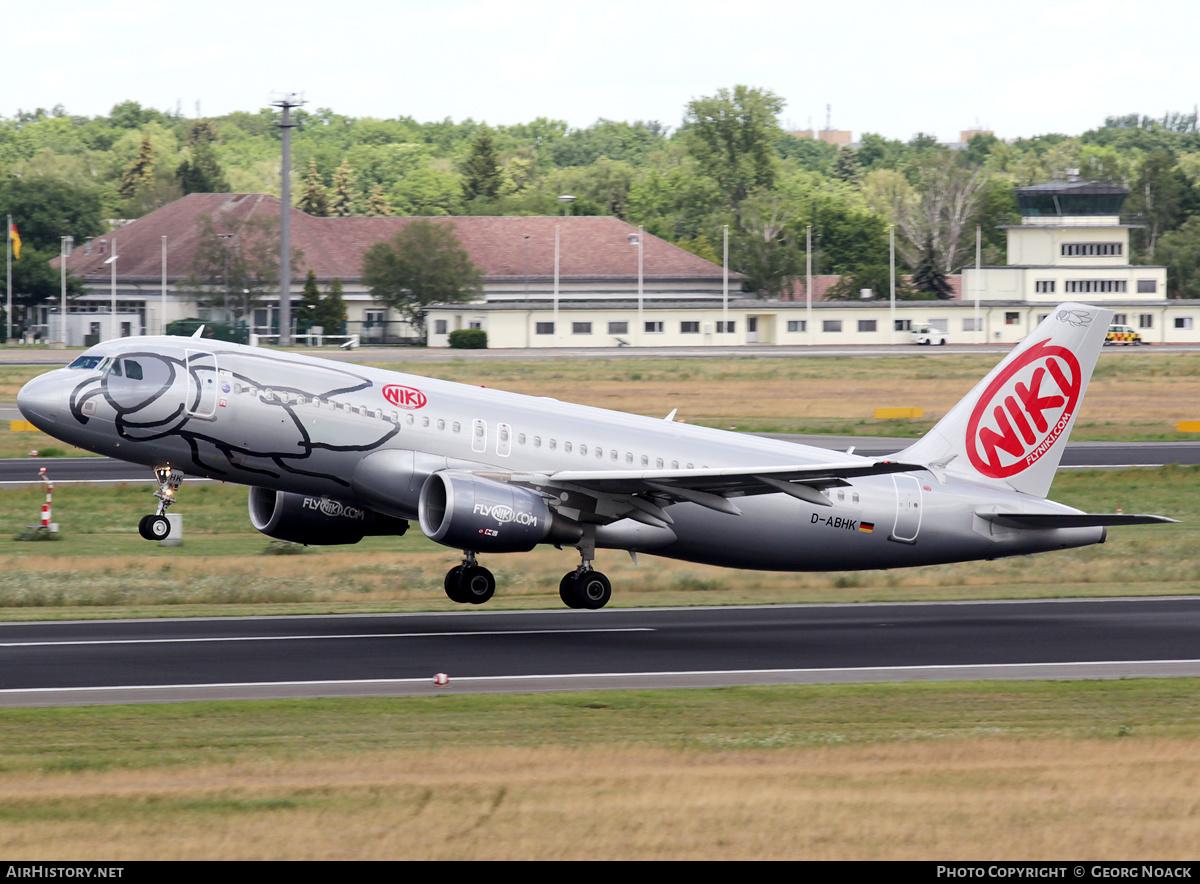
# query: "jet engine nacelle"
{"points": [[471, 513], [317, 521]]}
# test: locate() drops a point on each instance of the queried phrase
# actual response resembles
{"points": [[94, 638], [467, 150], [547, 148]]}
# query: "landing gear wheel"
{"points": [[588, 589], [154, 527], [566, 590], [476, 584], [470, 584], [451, 585]]}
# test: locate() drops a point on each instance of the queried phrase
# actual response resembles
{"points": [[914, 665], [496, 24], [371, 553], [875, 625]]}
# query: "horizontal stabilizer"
{"points": [[1042, 521]]}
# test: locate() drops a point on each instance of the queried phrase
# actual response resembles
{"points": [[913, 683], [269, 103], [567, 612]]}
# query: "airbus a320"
{"points": [[334, 452]]}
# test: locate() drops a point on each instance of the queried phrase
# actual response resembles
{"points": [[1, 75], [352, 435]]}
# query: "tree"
{"points": [[761, 249], [733, 135], [877, 278], [483, 175], [928, 277], [345, 197], [310, 303], [314, 198], [1179, 252], [377, 202], [422, 265], [45, 209], [331, 314], [236, 264], [201, 173], [139, 172], [934, 223]]}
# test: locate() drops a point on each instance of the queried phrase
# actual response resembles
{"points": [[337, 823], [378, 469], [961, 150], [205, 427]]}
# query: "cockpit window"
{"points": [[85, 361], [133, 370], [108, 365]]}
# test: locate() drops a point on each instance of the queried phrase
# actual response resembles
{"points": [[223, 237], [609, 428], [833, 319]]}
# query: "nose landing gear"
{"points": [[156, 526]]}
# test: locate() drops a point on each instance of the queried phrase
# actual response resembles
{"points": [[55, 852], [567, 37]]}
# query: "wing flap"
{"points": [[623, 491], [1043, 521]]}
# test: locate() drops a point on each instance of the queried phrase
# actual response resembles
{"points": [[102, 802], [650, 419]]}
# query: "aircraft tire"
{"points": [[590, 590], [565, 590], [451, 585], [154, 527], [476, 585]]}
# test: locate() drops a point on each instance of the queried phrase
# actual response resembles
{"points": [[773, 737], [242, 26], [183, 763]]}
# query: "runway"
{"points": [[168, 660]]}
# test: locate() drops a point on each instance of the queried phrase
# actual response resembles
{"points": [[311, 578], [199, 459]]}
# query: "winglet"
{"points": [[1013, 426], [198, 332]]}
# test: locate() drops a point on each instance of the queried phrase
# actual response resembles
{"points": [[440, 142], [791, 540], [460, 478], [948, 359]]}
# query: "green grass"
{"points": [[71, 739]]}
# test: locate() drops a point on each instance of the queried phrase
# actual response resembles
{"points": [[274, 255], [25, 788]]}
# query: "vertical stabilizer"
{"points": [[1014, 425]]}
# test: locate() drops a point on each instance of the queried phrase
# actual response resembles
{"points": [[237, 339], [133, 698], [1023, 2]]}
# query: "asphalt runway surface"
{"points": [[165, 660]]}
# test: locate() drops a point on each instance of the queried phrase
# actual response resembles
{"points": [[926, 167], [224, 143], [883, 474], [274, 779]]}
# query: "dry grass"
{"points": [[968, 800]]}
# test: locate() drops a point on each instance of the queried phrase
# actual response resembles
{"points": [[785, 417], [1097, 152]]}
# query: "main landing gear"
{"points": [[471, 583], [156, 526]]}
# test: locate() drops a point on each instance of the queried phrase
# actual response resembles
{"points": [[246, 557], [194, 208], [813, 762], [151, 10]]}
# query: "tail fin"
{"points": [[1014, 425]]}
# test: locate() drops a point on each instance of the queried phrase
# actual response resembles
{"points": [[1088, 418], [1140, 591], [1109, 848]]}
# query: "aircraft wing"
{"points": [[642, 494]]}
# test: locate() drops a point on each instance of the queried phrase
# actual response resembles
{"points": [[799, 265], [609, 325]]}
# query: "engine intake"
{"points": [[317, 521], [467, 512]]}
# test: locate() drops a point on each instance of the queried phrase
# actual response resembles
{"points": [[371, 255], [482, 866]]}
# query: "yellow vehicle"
{"points": [[1122, 334]]}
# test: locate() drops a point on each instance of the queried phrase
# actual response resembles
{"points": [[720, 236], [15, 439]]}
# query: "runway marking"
{"points": [[297, 638], [863, 673]]}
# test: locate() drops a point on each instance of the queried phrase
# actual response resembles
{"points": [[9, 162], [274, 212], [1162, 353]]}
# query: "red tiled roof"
{"points": [[591, 247], [823, 283]]}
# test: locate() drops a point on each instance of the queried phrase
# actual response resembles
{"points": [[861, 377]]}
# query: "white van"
{"points": [[925, 333]]}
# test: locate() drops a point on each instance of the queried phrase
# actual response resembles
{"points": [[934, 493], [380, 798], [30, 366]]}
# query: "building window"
{"points": [[972, 324], [1012, 318], [866, 325], [1147, 286], [654, 327], [544, 328], [1183, 322], [581, 328], [721, 327], [1044, 286], [618, 328], [475, 323], [689, 327], [1120, 319], [1092, 249], [1145, 320], [370, 317], [797, 325], [831, 325], [902, 325], [1091, 286], [439, 326]]}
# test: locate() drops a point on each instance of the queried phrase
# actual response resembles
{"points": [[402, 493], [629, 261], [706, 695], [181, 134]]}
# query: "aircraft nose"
{"points": [[43, 400]]}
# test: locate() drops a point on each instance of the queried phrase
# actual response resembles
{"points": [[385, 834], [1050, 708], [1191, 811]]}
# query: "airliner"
{"points": [[334, 452]]}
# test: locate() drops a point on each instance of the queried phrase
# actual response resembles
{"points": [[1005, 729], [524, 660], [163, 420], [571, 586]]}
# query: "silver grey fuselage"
{"points": [[316, 427]]}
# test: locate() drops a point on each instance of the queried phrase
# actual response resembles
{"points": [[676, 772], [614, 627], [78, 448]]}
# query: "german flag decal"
{"points": [[866, 527]]}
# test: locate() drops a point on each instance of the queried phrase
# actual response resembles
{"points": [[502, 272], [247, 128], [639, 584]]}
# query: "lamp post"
{"points": [[635, 239], [112, 263], [566, 199], [68, 242]]}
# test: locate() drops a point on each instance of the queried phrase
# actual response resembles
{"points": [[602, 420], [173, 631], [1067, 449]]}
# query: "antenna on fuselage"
{"points": [[198, 332]]}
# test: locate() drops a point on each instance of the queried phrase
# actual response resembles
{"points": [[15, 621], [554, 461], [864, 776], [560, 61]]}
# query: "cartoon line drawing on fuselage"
{"points": [[153, 395]]}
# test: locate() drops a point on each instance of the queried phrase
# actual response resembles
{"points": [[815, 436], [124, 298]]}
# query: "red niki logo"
{"points": [[1023, 411], [404, 397]]}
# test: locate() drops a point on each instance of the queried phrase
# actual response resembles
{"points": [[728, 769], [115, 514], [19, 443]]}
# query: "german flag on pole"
{"points": [[15, 239]]}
